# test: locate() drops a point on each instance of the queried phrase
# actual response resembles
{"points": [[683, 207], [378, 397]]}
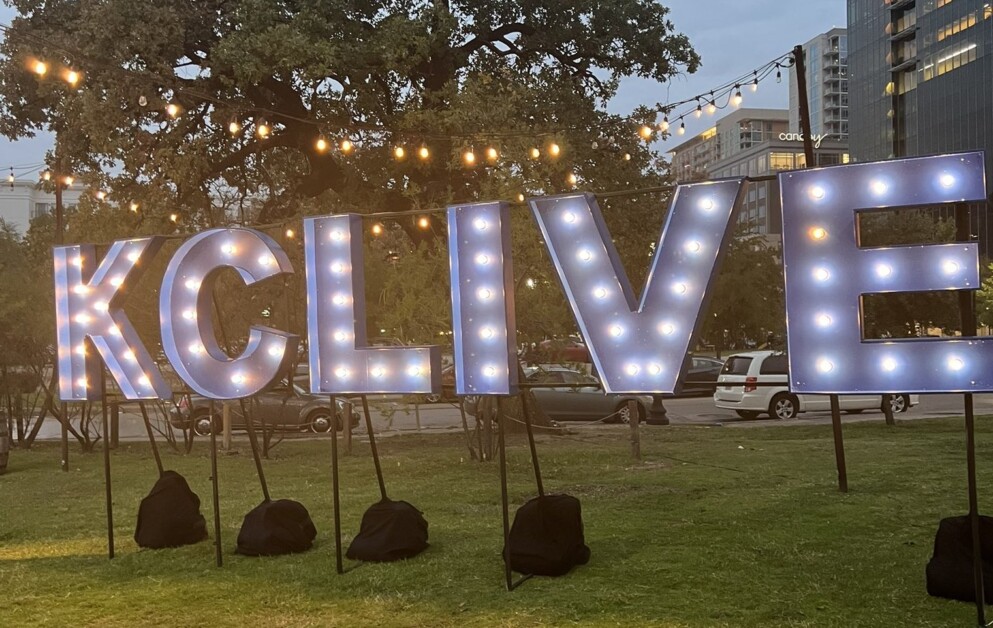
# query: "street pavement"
{"points": [[392, 417]]}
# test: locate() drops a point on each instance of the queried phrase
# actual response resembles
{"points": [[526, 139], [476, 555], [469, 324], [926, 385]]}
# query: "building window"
{"points": [[961, 24], [41, 209], [780, 161]]}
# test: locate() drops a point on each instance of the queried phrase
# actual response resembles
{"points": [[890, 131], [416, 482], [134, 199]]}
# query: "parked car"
{"points": [[282, 407], [700, 375], [586, 402], [738, 390]]}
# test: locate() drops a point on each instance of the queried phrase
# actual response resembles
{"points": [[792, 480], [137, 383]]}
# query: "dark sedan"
{"points": [[282, 407]]}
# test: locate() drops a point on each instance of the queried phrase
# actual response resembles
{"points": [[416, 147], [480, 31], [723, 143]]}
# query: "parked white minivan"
{"points": [[738, 390]]}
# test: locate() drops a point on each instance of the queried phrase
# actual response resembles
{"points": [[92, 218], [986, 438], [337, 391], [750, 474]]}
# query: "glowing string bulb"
{"points": [[645, 132], [101, 195], [627, 156], [711, 107], [553, 149], [736, 100], [290, 233], [423, 152], [699, 110], [134, 207], [469, 158], [173, 217], [535, 153], [69, 181], [40, 68], [682, 128], [346, 146], [572, 179], [321, 145], [520, 198], [664, 125], [399, 152], [234, 127], [492, 154], [173, 110], [263, 130], [424, 222], [377, 229], [72, 77]]}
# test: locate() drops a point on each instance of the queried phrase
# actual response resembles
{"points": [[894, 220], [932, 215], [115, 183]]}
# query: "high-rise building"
{"points": [[826, 61], [921, 73], [751, 143]]}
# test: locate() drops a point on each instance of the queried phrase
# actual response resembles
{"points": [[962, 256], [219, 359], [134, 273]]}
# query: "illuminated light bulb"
{"points": [[423, 152], [69, 181], [414, 371], [600, 293], [955, 364], [40, 68], [130, 356], [568, 217], [737, 98], [707, 204], [817, 233], [101, 306], [174, 217], [616, 331], [530, 283], [469, 158], [627, 156], [878, 187], [492, 154], [693, 246], [337, 268], [553, 149], [340, 336], [377, 371], [101, 195], [81, 350], [263, 130], [339, 299], [377, 229], [489, 370], [81, 289], [535, 153], [144, 381], [290, 233], [196, 348], [883, 270], [667, 329], [679, 288], [484, 294], [189, 314], [321, 145], [950, 267], [337, 235], [946, 180], [572, 179], [817, 192], [655, 369], [664, 125], [423, 222], [631, 369], [682, 129], [699, 111], [78, 261], [645, 132], [482, 259], [520, 198], [192, 284], [585, 255], [824, 365], [134, 207], [480, 224], [823, 320], [173, 110], [266, 260], [888, 364], [346, 146], [82, 319], [755, 83], [822, 274], [711, 108], [47, 176], [487, 333], [399, 152], [234, 127], [81, 382], [228, 249], [341, 373], [114, 330], [237, 379]]}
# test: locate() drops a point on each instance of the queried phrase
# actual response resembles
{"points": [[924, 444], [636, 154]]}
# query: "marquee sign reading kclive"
{"points": [[637, 345]]}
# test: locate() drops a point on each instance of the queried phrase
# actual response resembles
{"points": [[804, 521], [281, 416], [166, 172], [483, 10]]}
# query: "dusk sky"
{"points": [[733, 37]]}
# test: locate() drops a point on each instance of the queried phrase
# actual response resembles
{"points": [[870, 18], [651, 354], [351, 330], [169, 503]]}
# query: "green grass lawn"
{"points": [[716, 527]]}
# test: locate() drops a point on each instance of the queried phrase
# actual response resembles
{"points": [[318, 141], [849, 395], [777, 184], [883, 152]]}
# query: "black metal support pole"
{"points": [[346, 424], [336, 499], [801, 88], [657, 414], [839, 444], [106, 466], [465, 428], [218, 557], [504, 499], [59, 229], [534, 450], [151, 437], [888, 409], [254, 442], [64, 409], [967, 310]]}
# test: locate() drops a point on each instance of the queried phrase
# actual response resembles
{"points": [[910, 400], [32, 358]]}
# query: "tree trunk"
{"points": [[4, 443]]}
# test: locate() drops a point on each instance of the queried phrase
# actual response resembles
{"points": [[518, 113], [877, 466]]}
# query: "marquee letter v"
{"points": [[639, 348]]}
